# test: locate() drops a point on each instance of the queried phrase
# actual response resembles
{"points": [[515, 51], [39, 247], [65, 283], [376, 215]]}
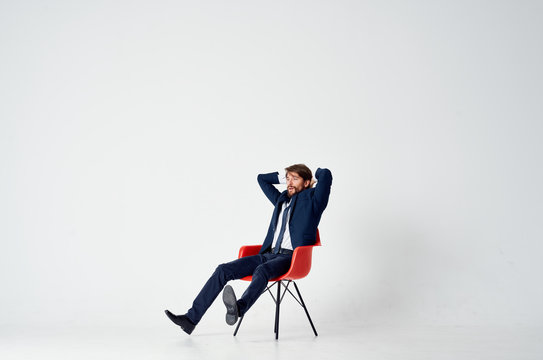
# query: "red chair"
{"points": [[299, 268]]}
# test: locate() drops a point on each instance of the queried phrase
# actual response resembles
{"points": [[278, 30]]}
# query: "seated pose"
{"points": [[296, 215]]}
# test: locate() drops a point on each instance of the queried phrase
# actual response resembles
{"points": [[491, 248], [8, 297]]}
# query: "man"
{"points": [[294, 223]]}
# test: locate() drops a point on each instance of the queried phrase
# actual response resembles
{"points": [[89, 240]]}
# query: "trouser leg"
{"points": [[236, 269], [275, 266]]}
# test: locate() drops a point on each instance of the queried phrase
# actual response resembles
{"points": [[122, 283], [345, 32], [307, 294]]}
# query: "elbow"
{"points": [[324, 173]]}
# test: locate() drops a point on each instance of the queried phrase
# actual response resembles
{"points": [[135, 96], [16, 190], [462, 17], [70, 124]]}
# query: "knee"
{"points": [[219, 270], [222, 272]]}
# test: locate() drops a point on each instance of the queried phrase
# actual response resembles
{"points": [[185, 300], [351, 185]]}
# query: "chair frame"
{"points": [[278, 300]]}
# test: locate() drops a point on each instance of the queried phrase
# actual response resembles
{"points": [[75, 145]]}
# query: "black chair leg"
{"points": [[237, 327], [277, 306], [305, 308]]}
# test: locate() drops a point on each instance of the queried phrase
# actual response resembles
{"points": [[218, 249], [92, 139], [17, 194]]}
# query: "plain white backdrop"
{"points": [[132, 132]]}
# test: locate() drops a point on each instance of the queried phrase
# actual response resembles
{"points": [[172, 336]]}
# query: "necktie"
{"points": [[282, 231]]}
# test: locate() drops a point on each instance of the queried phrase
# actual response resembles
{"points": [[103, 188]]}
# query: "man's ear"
{"points": [[307, 183]]}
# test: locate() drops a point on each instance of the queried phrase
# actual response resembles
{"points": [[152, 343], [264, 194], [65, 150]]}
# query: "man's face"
{"points": [[295, 183]]}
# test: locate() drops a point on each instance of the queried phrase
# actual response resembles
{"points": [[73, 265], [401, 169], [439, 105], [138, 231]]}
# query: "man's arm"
{"points": [[322, 190], [266, 182]]}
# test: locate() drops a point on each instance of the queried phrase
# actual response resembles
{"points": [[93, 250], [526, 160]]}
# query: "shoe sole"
{"points": [[229, 299]]}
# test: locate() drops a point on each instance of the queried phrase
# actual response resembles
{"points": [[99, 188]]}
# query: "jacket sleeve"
{"points": [[322, 189], [266, 182]]}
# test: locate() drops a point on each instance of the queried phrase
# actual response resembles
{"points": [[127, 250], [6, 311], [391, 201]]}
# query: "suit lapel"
{"points": [[292, 206]]}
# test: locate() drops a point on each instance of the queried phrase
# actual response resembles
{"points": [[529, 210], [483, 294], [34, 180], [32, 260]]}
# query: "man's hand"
{"points": [[313, 182]]}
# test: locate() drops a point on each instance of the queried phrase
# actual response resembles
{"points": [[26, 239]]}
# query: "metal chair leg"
{"points": [[277, 306], [239, 323], [268, 290], [305, 308]]}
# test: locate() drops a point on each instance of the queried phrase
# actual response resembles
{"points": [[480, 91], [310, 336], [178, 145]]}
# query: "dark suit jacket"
{"points": [[306, 209]]}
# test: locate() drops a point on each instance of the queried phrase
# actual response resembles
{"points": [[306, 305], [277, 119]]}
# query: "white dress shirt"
{"points": [[286, 243]]}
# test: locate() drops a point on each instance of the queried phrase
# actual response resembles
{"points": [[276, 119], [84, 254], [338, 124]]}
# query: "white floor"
{"points": [[335, 341]]}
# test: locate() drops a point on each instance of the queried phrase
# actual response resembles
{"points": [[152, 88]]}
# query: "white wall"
{"points": [[131, 135]]}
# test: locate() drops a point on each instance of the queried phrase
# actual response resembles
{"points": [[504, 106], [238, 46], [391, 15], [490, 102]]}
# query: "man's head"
{"points": [[298, 178]]}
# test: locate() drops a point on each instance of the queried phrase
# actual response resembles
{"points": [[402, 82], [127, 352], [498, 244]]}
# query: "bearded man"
{"points": [[297, 213]]}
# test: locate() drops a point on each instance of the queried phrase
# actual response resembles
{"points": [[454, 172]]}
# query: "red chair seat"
{"points": [[299, 267]]}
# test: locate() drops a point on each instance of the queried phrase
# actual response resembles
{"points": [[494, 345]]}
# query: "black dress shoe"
{"points": [[229, 299], [182, 320]]}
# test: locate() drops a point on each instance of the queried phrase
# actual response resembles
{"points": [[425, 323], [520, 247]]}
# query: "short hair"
{"points": [[301, 170]]}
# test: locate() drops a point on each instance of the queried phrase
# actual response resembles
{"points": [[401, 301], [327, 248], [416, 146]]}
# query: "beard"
{"points": [[294, 191]]}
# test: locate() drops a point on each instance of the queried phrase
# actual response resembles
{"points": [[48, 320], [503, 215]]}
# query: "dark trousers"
{"points": [[262, 267]]}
